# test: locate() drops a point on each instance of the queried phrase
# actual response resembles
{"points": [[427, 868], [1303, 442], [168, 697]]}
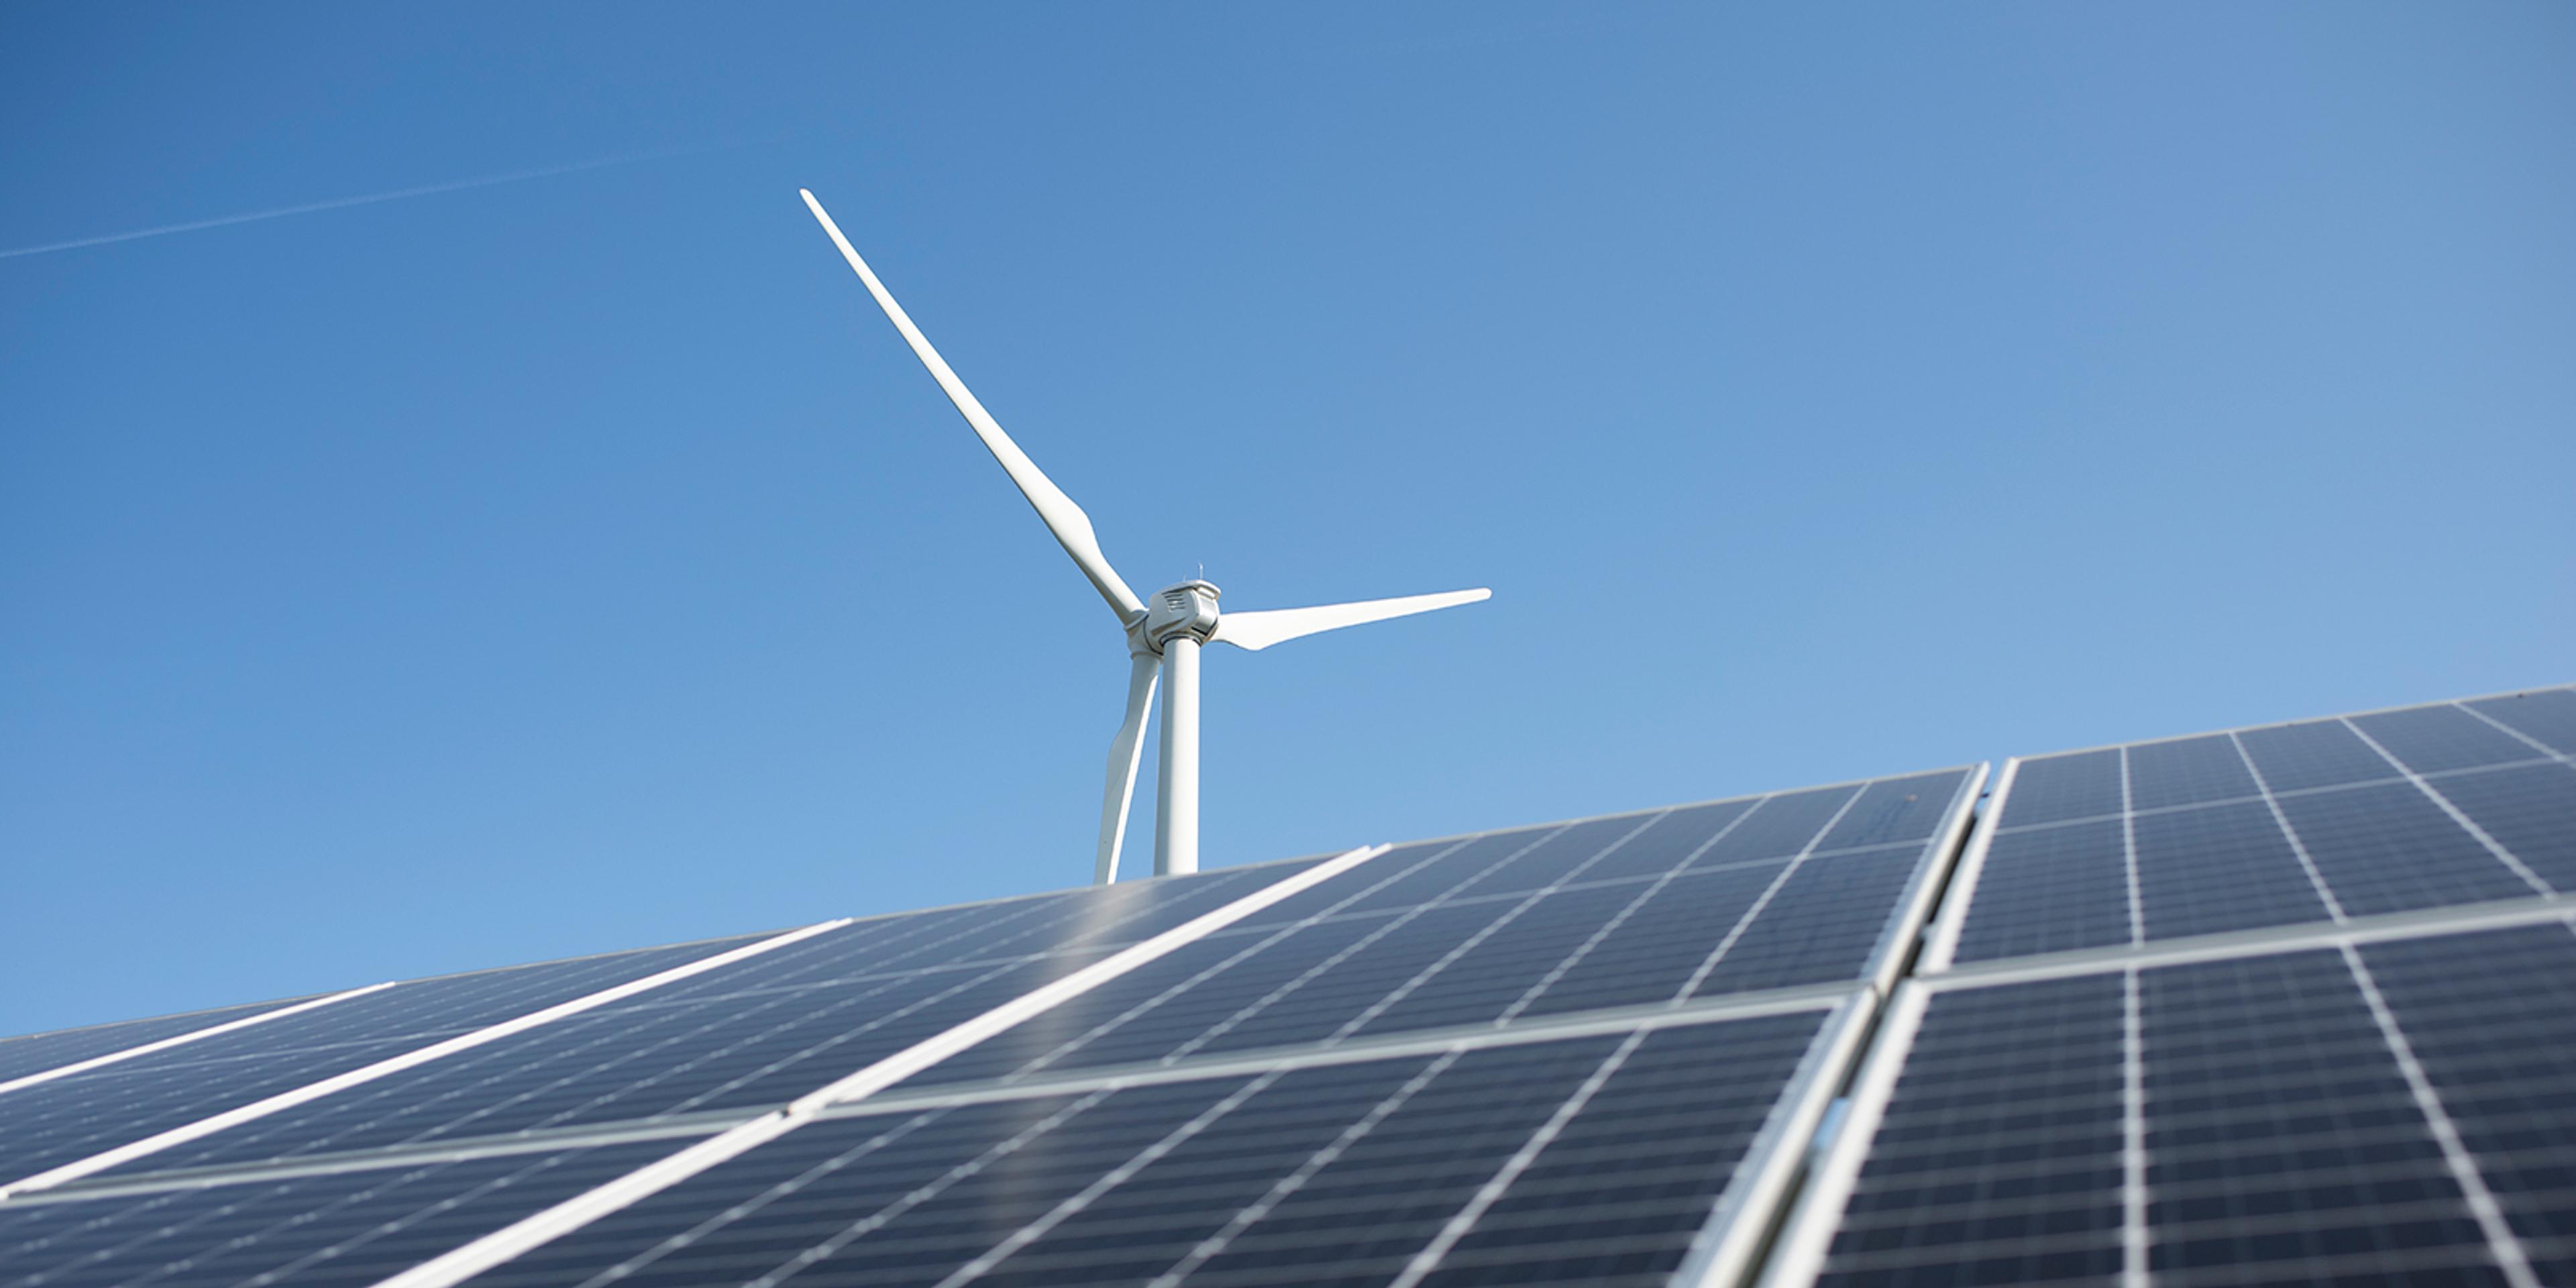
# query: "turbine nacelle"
{"points": [[1187, 608], [1163, 637]]}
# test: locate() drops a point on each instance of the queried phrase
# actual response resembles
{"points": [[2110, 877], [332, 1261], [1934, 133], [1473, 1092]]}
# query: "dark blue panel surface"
{"points": [[2344, 826], [2282, 1140], [347, 1228], [2049, 889], [2530, 811], [39, 1052], [2433, 739], [755, 1033], [1893, 811], [2318, 753], [1998, 1159], [55, 1123], [2547, 716], [2279, 1142], [1323, 1175], [2389, 848], [2054, 789], [1517, 925], [2491, 1018], [2188, 771], [2226, 867]]}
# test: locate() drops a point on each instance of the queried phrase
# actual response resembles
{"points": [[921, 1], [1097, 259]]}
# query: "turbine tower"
{"points": [[1163, 638]]}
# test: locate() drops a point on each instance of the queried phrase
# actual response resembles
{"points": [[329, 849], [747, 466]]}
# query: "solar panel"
{"points": [[757, 1033], [2298, 1007], [1577, 1052], [2292, 1003], [2384, 814], [344, 1227], [1664, 908], [2378, 1106], [41, 1053], [70, 1119], [1437, 1166]]}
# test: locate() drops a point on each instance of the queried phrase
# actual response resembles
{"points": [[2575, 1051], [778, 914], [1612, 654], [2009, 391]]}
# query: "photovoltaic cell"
{"points": [[2455, 812], [2530, 811], [1588, 1160], [2227, 867], [752, 1034], [2547, 716], [2492, 1019], [36, 1053], [1501, 927], [54, 1123], [2431, 740], [2278, 1136], [2048, 890], [2054, 789], [2188, 771], [1998, 1159], [315, 1231], [2317, 753], [2390, 848]]}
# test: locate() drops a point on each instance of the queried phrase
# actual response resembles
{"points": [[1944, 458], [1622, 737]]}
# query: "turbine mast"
{"points": [[1180, 619]]}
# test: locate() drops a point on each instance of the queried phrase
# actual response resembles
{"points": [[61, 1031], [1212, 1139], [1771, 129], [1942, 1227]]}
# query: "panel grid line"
{"points": [[193, 1035], [1466, 1218], [383, 1068], [1491, 928], [1285, 1186], [1742, 923], [1264, 942], [2482, 1204], [963, 1171], [2516, 734], [2133, 1136], [1602, 934], [2502, 855], [2298, 847], [2129, 853], [1239, 1018], [761, 1200], [457, 1264], [2294, 793], [1113, 1178]]}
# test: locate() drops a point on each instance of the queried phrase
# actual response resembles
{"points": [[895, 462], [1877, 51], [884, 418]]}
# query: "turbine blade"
{"points": [[1124, 751], [1072, 528], [1260, 629]]}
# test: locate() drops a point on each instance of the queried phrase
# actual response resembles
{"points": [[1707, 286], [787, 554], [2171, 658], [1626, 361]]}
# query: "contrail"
{"points": [[342, 203]]}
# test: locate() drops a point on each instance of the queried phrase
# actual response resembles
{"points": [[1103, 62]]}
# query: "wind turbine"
{"points": [[1163, 638]]}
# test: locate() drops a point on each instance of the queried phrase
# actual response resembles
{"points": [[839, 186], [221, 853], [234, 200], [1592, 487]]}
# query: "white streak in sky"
{"points": [[342, 203]]}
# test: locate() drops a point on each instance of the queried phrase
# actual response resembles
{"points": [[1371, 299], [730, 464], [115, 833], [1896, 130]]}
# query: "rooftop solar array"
{"points": [[1580, 1052], [2289, 1004]]}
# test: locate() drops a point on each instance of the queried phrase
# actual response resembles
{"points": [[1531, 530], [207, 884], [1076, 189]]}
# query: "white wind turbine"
{"points": [[1163, 638]]}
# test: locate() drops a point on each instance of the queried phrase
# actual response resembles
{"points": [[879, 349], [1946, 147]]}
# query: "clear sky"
{"points": [[577, 562]]}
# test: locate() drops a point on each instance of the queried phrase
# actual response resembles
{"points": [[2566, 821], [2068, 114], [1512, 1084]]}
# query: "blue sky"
{"points": [[580, 562]]}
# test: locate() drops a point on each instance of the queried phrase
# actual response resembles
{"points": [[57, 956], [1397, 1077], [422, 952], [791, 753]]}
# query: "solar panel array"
{"points": [[2291, 1004], [1583, 1052], [2294, 1003]]}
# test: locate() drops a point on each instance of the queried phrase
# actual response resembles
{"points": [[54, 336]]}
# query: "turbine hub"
{"points": [[1186, 609]]}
